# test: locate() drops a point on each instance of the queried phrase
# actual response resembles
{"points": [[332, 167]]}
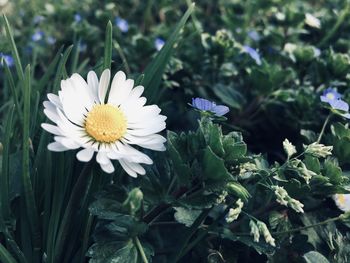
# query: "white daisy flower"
{"points": [[342, 201], [85, 117], [312, 21]]}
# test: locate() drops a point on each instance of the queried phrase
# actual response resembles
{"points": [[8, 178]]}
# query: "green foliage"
{"points": [[274, 161]]}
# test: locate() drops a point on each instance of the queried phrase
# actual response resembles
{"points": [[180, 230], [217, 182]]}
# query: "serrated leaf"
{"points": [[186, 216], [213, 167]]}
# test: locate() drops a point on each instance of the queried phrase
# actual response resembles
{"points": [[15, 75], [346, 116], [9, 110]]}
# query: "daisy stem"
{"points": [[323, 128], [140, 249]]}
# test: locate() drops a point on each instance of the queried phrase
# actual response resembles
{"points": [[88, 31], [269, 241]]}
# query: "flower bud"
{"points": [[233, 213], [289, 148], [318, 150], [266, 233], [134, 201]]}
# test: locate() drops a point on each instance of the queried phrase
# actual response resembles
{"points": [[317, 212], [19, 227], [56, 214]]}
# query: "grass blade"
{"points": [[4, 177], [30, 205], [108, 47], [49, 71], [14, 50], [155, 70], [5, 256], [61, 68]]}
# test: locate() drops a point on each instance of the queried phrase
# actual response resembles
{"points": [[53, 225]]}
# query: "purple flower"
{"points": [[254, 35], [159, 43], [252, 53], [37, 36], [77, 18], [7, 59], [206, 105], [122, 24]]}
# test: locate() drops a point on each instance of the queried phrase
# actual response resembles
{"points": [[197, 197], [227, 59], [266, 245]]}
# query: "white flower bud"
{"points": [[312, 21], [289, 148], [233, 213], [254, 231], [266, 233], [318, 149], [283, 198]]}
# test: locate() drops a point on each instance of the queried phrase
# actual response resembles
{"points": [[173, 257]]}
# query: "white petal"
{"points": [[54, 99], [57, 147], [102, 158], [127, 169], [92, 81], [120, 89], [148, 130], [108, 168], [51, 128], [52, 115], [103, 85], [85, 155], [67, 142]]}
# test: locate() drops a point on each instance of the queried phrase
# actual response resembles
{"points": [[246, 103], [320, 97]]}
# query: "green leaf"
{"points": [[213, 167], [154, 71], [61, 68], [234, 146], [228, 95], [315, 257], [108, 47], [213, 136], [181, 168], [186, 216], [112, 252]]}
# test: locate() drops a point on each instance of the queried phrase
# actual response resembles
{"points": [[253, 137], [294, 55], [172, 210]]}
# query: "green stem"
{"points": [[308, 226], [140, 249], [333, 219], [323, 128], [336, 26]]}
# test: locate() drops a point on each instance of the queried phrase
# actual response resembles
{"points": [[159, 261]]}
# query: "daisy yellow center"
{"points": [[330, 96], [105, 123], [341, 199]]}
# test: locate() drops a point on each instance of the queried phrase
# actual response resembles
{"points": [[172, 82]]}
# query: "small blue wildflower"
{"points": [[333, 98], [206, 105], [252, 53], [38, 19], [254, 35], [159, 43], [330, 95], [37, 36], [122, 24], [77, 18], [51, 40], [317, 52], [8, 59]]}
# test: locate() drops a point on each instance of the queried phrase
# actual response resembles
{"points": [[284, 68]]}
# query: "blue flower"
{"points": [[38, 35], [122, 24], [206, 105], [159, 43], [51, 40], [254, 35], [77, 18], [38, 19], [330, 95], [7, 59], [333, 98], [252, 53]]}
